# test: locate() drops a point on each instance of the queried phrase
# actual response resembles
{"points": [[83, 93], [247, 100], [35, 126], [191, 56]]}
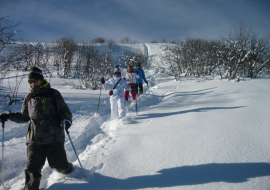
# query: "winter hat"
{"points": [[138, 64], [35, 73], [117, 70]]}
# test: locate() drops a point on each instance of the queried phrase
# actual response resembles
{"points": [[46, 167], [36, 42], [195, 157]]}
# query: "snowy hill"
{"points": [[190, 134]]}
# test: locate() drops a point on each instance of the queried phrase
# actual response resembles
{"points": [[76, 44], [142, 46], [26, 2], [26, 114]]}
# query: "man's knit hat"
{"points": [[35, 73], [117, 70]]}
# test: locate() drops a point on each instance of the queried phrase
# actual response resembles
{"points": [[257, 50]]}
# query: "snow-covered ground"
{"points": [[190, 134]]}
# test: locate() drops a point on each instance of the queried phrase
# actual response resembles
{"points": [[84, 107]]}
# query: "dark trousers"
{"points": [[37, 154], [139, 88]]}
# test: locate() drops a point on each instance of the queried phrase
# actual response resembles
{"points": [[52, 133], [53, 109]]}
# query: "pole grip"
{"points": [[65, 127]]}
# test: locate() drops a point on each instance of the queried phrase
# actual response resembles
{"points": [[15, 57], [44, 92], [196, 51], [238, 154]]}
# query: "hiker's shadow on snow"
{"points": [[155, 115], [179, 176]]}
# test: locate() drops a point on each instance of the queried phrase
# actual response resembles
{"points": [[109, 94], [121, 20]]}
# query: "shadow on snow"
{"points": [[179, 176], [155, 115]]}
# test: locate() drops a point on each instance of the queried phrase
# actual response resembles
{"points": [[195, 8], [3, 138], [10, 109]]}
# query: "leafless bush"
{"points": [[35, 54], [163, 40], [247, 55], [154, 41], [14, 86], [130, 57], [17, 62], [64, 54], [112, 45], [7, 37], [7, 32], [93, 65], [98, 40], [127, 40], [171, 60]]}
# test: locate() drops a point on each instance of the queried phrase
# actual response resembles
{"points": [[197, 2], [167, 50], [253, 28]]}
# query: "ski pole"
{"points": [[136, 106], [3, 170], [99, 99], [75, 150], [137, 94]]}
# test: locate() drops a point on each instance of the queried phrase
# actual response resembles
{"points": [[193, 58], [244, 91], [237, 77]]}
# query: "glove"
{"points": [[124, 78], [146, 82], [67, 124], [4, 116], [102, 80], [136, 72]]}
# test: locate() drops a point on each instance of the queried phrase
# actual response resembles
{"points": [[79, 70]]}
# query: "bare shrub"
{"points": [[64, 54], [99, 40]]}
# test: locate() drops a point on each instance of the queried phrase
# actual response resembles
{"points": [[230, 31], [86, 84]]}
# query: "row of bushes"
{"points": [[241, 54]]}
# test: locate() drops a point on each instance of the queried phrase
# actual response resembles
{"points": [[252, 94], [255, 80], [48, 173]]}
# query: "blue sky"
{"points": [[142, 20]]}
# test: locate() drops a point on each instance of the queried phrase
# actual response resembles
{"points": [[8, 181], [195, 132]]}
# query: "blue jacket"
{"points": [[141, 74]]}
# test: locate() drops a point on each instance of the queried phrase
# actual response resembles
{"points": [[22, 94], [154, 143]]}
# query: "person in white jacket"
{"points": [[131, 77], [116, 85]]}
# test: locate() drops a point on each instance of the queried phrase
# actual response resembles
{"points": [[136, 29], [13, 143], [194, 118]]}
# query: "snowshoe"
{"points": [[67, 170]]}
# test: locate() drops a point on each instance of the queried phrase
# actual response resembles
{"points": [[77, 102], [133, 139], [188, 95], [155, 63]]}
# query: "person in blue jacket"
{"points": [[139, 82]]}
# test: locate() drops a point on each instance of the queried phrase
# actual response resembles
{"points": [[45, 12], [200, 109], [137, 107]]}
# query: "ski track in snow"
{"points": [[93, 143], [92, 137], [145, 51]]}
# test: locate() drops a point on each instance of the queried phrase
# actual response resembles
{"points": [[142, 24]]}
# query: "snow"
{"points": [[189, 134]]}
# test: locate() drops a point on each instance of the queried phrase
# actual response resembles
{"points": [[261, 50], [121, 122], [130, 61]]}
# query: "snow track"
{"points": [[93, 136], [146, 52]]}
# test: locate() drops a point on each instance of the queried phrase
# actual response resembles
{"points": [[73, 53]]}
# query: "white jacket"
{"points": [[118, 91], [131, 77]]}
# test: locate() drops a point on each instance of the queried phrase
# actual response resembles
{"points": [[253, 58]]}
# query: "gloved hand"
{"points": [[124, 78], [146, 82], [102, 80], [4, 116], [67, 124], [136, 72]]}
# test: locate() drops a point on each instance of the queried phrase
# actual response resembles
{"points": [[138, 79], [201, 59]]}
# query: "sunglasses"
{"points": [[32, 81]]}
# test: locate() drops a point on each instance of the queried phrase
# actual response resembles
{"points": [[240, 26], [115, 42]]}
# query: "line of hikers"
{"points": [[50, 116], [120, 88]]}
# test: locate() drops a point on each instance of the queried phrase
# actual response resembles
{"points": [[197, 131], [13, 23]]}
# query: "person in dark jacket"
{"points": [[139, 82], [48, 114]]}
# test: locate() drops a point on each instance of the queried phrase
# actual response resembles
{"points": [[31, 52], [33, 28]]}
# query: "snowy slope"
{"points": [[190, 134], [209, 135]]}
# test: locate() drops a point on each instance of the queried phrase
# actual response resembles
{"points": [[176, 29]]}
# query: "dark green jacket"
{"points": [[46, 116]]}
